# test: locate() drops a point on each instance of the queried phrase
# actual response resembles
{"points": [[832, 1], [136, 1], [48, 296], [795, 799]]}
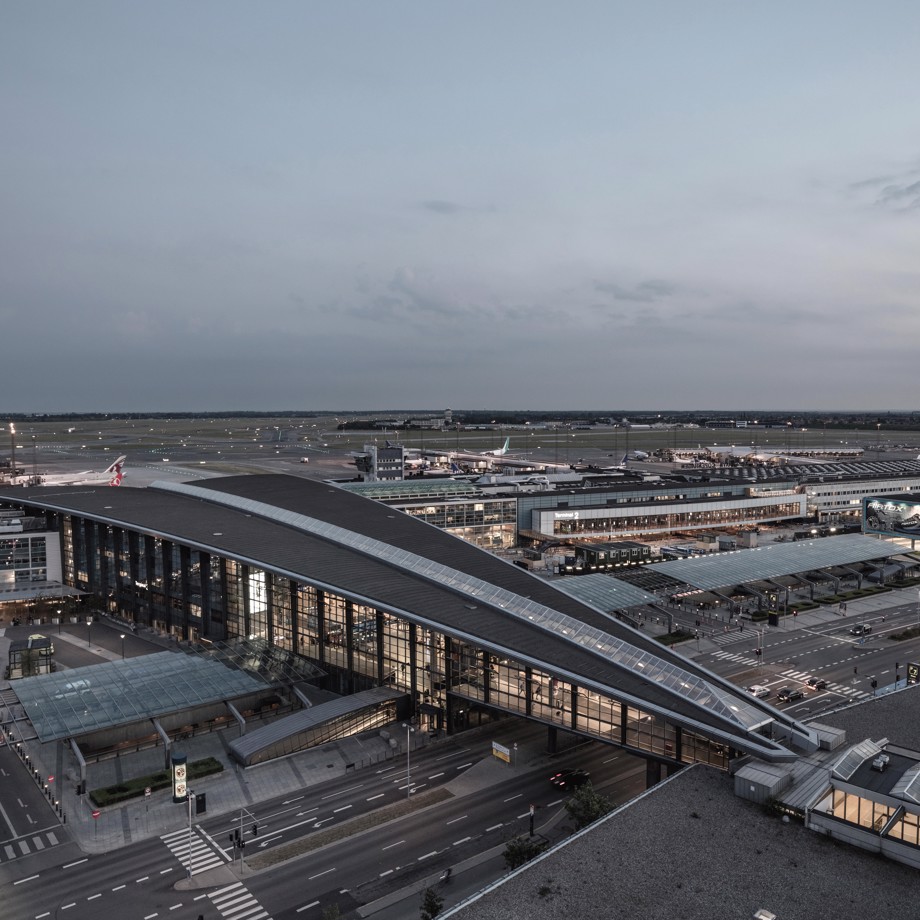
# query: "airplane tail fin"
{"points": [[504, 449], [116, 470], [455, 469]]}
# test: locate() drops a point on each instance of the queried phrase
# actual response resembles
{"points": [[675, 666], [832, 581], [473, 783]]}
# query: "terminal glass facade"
{"points": [[452, 683]]}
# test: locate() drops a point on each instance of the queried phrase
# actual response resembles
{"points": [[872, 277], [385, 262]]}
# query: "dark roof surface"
{"points": [[194, 520]]}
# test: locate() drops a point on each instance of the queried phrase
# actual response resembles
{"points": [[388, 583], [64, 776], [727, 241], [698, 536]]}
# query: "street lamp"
{"points": [[59, 620], [122, 645], [191, 798], [89, 634], [409, 730]]}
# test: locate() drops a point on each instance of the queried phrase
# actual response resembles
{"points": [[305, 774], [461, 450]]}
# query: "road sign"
{"points": [[96, 814], [146, 792], [51, 778]]}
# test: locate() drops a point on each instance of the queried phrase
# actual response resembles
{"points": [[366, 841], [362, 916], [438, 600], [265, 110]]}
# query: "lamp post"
{"points": [[190, 798], [409, 730], [89, 633], [59, 620], [122, 645]]}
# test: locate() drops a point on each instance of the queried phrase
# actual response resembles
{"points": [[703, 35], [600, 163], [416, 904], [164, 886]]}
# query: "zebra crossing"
{"points": [[204, 852], [29, 843], [842, 689], [740, 659], [235, 901]]}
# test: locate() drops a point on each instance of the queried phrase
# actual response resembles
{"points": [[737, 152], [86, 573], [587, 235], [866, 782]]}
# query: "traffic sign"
{"points": [[146, 792], [96, 814], [51, 778]]}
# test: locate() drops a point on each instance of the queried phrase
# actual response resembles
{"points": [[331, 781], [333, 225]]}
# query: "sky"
{"points": [[513, 205]]}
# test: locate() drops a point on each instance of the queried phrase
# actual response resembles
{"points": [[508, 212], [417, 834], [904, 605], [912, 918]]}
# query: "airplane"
{"points": [[499, 451], [111, 476]]}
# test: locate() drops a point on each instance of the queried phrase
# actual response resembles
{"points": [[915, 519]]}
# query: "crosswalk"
{"points": [[29, 843], [236, 902], [842, 689], [750, 661], [204, 852]]}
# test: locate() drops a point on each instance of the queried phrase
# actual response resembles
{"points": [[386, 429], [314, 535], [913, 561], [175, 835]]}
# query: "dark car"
{"points": [[817, 683], [860, 629], [569, 779], [789, 695]]}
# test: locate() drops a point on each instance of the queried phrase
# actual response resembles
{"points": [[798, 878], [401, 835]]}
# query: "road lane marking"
{"points": [[463, 766], [74, 904], [343, 808], [310, 879], [435, 775], [119, 888], [457, 843], [388, 872], [432, 853], [332, 795], [520, 795], [390, 846], [29, 879], [93, 897], [455, 820], [494, 827], [77, 863], [146, 878], [378, 796], [307, 906]]}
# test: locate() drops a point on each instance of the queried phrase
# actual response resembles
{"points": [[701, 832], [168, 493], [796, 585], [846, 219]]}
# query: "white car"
{"points": [[759, 691]]}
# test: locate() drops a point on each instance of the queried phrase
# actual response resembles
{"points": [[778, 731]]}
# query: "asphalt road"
{"points": [[829, 651], [145, 881]]}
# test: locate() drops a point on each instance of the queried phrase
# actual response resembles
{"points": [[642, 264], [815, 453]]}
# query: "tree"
{"points": [[587, 805], [520, 850], [331, 912], [432, 903]]}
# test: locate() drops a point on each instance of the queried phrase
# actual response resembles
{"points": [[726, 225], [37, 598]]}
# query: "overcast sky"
{"points": [[343, 205]]}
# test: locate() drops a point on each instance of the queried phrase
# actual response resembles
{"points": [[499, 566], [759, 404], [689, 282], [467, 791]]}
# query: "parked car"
{"points": [[790, 695], [759, 691], [569, 779], [860, 629], [816, 683]]}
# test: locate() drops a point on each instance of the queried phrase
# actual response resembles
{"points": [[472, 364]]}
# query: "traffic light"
{"points": [[795, 613], [255, 830], [874, 683], [856, 670]]}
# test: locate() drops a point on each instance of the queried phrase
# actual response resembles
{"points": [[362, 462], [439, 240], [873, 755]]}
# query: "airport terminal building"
{"points": [[378, 599]]}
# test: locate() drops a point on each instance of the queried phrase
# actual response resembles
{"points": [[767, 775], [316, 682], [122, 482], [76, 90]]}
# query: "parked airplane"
{"points": [[498, 452], [112, 476]]}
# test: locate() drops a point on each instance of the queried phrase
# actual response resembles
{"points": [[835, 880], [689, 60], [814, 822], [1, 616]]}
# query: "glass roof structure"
{"points": [[616, 651], [604, 592], [908, 786], [410, 488], [851, 761], [721, 570], [70, 703]]}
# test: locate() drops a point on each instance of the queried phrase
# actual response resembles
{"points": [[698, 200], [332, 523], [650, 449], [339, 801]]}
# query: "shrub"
{"points": [[162, 779]]}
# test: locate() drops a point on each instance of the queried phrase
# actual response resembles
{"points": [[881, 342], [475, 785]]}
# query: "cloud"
{"points": [[442, 207], [644, 292], [900, 197]]}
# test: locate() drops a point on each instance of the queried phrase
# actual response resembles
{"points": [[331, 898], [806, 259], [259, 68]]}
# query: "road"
{"points": [[848, 663], [139, 882]]}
